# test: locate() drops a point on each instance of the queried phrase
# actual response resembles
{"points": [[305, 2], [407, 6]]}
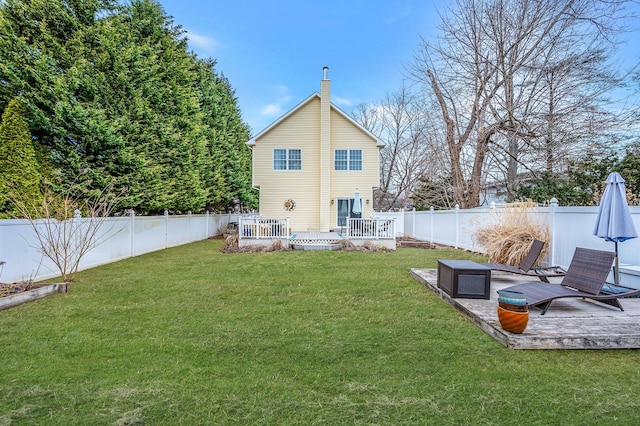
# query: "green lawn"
{"points": [[194, 336]]}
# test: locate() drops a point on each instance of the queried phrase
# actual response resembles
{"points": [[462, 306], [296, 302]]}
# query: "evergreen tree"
{"points": [[19, 175], [132, 112], [112, 94], [584, 181], [433, 192], [229, 178]]}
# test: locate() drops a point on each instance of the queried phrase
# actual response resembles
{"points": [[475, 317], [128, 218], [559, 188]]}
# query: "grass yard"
{"points": [[194, 336]]}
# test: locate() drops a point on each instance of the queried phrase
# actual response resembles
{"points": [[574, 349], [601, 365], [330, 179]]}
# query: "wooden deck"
{"points": [[568, 324]]}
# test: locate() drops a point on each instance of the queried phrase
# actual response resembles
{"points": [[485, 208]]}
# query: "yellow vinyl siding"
{"points": [[344, 135], [299, 131], [302, 128]]}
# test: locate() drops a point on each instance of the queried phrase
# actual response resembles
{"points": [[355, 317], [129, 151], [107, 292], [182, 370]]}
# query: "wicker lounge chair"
{"points": [[526, 266], [585, 278]]}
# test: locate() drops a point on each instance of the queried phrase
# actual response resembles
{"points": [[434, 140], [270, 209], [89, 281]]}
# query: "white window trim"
{"points": [[348, 169], [287, 160]]}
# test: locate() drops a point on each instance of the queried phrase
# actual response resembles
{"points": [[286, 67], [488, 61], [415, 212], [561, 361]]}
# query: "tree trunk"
{"points": [[453, 145]]}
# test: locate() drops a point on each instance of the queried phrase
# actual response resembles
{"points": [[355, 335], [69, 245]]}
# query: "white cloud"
{"points": [[283, 93], [282, 96], [271, 109], [206, 44], [399, 15], [342, 101]]}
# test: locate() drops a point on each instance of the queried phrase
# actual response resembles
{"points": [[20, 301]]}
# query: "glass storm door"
{"points": [[345, 205]]}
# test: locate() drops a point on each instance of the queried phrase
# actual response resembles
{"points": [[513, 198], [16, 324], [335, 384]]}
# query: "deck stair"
{"points": [[316, 240]]}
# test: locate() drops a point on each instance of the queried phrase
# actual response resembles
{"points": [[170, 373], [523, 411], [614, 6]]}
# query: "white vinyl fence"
{"points": [[119, 237], [569, 227]]}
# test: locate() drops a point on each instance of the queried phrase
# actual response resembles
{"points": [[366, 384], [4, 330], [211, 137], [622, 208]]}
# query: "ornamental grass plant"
{"points": [[508, 234], [194, 336]]}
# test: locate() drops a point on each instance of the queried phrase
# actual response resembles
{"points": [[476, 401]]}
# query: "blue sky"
{"points": [[273, 51]]}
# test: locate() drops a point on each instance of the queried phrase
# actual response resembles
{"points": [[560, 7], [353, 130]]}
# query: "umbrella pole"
{"points": [[616, 270]]}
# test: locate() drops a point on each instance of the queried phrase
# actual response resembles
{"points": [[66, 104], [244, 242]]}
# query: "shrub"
{"points": [[510, 232], [19, 173], [231, 245]]}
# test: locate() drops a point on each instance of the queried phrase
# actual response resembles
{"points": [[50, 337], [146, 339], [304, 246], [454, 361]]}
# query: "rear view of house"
{"points": [[310, 162]]}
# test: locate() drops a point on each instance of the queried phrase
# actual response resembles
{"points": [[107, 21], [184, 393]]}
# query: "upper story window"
{"points": [[287, 159], [348, 159]]}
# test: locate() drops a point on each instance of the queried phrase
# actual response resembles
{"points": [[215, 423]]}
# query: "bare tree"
{"points": [[401, 123], [496, 74], [67, 227], [553, 102], [461, 79]]}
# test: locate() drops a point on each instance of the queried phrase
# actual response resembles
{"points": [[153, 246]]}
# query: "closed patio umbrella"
{"points": [[614, 222], [357, 203]]}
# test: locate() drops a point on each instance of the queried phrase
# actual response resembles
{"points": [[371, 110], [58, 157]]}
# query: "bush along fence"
{"points": [[118, 238], [569, 227]]}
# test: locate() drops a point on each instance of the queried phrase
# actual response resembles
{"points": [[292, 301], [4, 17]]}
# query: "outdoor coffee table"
{"points": [[464, 278]]}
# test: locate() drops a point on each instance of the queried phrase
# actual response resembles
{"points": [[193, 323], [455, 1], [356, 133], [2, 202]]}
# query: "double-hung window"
{"points": [[341, 159], [348, 159], [287, 159]]}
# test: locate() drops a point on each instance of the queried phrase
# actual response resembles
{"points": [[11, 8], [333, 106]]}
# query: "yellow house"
{"points": [[310, 162]]}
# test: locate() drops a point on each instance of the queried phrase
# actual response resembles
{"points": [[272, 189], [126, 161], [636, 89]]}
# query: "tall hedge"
{"points": [[19, 175], [113, 94]]}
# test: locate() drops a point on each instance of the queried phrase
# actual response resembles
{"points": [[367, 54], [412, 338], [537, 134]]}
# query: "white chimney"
{"points": [[326, 73]]}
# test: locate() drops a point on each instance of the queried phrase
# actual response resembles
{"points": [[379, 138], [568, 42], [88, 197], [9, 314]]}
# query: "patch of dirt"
{"points": [[347, 245], [413, 243]]}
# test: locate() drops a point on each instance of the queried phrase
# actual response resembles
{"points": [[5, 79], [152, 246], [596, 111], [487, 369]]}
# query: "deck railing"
{"points": [[258, 227], [371, 229]]}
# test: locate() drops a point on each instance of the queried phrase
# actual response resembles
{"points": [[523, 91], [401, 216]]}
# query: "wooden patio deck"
{"points": [[568, 324]]}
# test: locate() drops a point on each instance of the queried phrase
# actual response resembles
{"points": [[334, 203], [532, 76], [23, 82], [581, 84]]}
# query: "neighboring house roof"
{"points": [[315, 95]]}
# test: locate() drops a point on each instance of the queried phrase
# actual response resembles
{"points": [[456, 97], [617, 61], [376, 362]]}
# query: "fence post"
{"points": [[166, 228], [413, 223], [132, 214], [206, 224], [552, 219], [76, 224], [189, 226], [457, 211], [431, 210]]}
